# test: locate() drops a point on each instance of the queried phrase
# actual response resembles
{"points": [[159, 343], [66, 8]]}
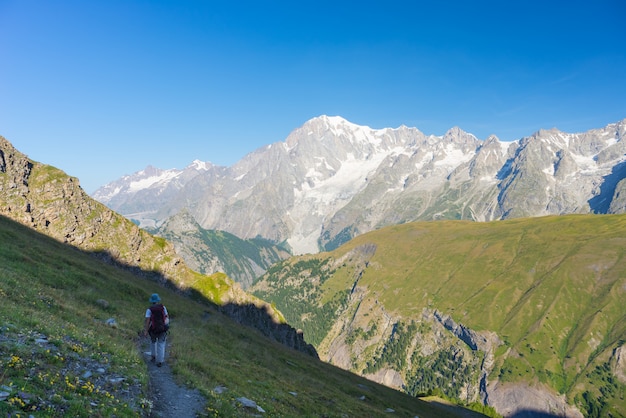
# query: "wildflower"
{"points": [[16, 362], [17, 401], [87, 387], [146, 404], [69, 384]]}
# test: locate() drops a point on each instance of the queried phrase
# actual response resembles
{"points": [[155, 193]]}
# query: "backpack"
{"points": [[157, 319]]}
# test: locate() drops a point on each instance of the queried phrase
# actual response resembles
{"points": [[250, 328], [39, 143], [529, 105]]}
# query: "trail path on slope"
{"points": [[169, 400]]}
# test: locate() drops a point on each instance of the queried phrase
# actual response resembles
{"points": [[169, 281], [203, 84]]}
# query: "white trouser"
{"points": [[157, 347]]}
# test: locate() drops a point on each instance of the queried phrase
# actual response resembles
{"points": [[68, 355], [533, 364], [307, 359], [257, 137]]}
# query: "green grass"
{"points": [[57, 294], [51, 291]]}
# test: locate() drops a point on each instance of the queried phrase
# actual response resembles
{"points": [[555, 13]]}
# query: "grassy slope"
{"points": [[552, 288], [53, 290]]}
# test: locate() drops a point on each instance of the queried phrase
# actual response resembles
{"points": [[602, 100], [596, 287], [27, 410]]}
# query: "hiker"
{"points": [[156, 324]]}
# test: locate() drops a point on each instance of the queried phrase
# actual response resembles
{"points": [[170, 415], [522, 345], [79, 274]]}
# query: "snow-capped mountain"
{"points": [[137, 195], [331, 180]]}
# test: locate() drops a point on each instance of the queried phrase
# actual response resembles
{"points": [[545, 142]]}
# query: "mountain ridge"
{"points": [[338, 148], [331, 180], [208, 251]]}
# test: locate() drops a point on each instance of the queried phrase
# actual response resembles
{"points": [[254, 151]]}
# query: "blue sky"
{"points": [[101, 89]]}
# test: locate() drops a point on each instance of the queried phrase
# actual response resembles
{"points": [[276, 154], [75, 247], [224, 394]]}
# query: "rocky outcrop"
{"points": [[262, 318], [388, 377], [619, 363], [521, 400], [469, 337], [44, 198]]}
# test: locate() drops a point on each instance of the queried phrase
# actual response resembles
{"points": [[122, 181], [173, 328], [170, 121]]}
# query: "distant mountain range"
{"points": [[331, 180]]}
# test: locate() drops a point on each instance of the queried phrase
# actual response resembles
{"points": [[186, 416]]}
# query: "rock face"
{"points": [[469, 337], [47, 200], [527, 401], [208, 251], [619, 367], [331, 180]]}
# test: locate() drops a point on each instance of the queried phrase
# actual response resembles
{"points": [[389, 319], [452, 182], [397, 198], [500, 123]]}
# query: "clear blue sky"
{"points": [[101, 89]]}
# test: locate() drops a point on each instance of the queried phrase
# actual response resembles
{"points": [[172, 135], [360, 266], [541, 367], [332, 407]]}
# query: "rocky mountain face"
{"points": [[138, 194], [332, 180], [208, 251], [45, 199]]}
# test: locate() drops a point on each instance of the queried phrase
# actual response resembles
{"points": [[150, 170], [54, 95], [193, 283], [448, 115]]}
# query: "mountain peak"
{"points": [[200, 165], [149, 171], [331, 120], [456, 132], [340, 122]]}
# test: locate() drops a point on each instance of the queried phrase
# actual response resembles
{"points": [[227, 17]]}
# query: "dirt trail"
{"points": [[169, 400]]}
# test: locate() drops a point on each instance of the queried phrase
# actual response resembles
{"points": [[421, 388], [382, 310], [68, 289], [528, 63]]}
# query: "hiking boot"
{"points": [[152, 359], [159, 364]]}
